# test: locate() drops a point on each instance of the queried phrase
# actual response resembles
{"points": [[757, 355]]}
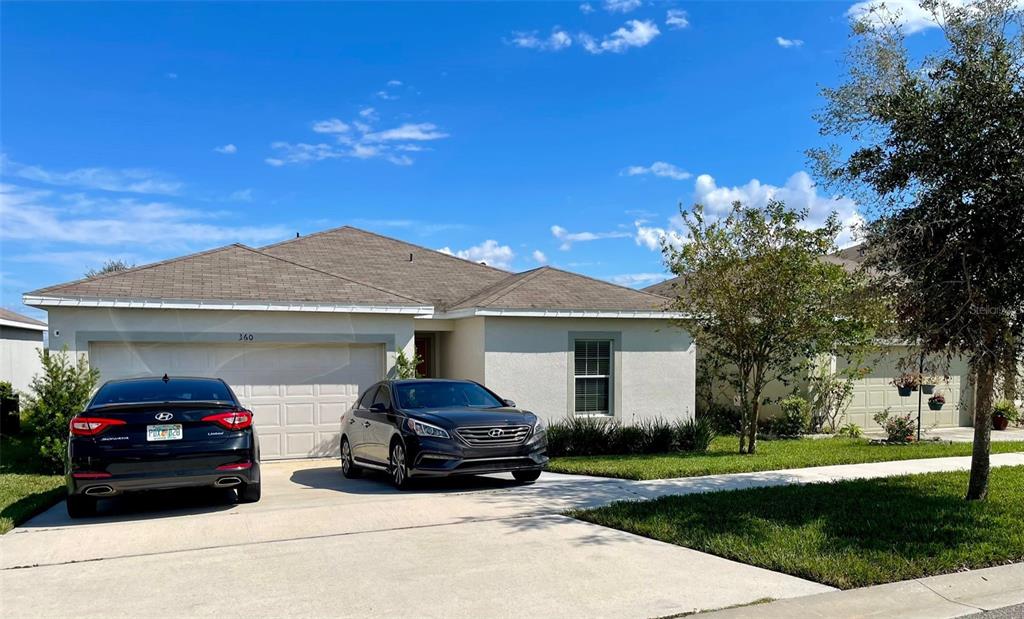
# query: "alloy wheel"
{"points": [[398, 465], [346, 458]]}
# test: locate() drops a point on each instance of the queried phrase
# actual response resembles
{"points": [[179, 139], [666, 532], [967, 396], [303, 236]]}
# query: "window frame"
{"points": [[609, 377]]}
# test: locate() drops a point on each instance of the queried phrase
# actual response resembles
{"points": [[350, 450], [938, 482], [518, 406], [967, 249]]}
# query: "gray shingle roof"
{"points": [[433, 277], [234, 272], [551, 288], [6, 314], [348, 266]]}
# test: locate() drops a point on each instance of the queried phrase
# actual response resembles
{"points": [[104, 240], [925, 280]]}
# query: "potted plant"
{"points": [[906, 383], [999, 420], [1003, 412], [928, 388], [936, 401]]}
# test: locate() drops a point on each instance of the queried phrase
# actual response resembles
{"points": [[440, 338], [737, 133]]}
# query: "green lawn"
{"points": [[24, 491], [845, 534], [770, 456]]}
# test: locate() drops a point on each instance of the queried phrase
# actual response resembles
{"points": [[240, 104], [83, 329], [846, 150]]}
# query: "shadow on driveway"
{"points": [[143, 506], [374, 482]]}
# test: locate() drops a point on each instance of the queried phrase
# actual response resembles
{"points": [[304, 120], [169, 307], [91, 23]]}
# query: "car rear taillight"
{"points": [[91, 426], [232, 420], [90, 475], [238, 466]]}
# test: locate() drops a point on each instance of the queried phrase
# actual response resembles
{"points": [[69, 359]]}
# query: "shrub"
{"points": [[55, 397], [794, 419], [6, 390], [1007, 409], [584, 436], [657, 436], [898, 429], [694, 434], [850, 430], [724, 420]]}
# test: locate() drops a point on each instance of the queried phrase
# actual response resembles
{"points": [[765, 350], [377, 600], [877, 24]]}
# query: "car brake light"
{"points": [[88, 475], [238, 466], [91, 426], [232, 420]]}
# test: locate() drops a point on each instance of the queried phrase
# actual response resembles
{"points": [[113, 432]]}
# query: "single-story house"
{"points": [[21, 340], [300, 328], [872, 393]]}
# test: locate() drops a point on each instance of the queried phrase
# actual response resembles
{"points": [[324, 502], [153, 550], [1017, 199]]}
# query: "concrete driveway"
{"points": [[321, 545]]}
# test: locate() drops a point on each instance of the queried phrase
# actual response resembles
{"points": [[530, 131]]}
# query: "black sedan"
{"points": [[161, 433], [436, 428]]}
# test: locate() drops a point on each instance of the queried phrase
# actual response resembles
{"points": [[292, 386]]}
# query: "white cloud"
{"points": [[331, 125], [242, 195], [171, 76], [586, 8], [394, 83], [408, 131], [908, 14], [125, 180], [302, 153], [798, 193], [621, 6], [568, 238], [539, 257], [557, 40], [385, 95], [635, 33], [47, 217], [636, 279], [658, 168], [368, 113], [227, 149], [488, 252], [787, 43], [676, 19]]}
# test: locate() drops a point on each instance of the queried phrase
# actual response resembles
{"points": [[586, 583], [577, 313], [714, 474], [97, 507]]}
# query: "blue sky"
{"points": [[517, 133]]}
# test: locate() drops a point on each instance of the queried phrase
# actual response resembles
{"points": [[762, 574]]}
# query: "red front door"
{"points": [[424, 350]]}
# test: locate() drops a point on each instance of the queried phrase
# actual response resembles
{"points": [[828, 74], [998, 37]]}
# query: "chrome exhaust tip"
{"points": [[99, 490], [227, 482]]}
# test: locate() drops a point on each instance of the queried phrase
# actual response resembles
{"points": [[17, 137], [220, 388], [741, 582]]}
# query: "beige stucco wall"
{"points": [[529, 360], [462, 350], [19, 356], [76, 327]]}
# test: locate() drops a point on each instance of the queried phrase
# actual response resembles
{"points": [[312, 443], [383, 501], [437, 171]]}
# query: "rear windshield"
{"points": [[427, 394], [174, 390]]}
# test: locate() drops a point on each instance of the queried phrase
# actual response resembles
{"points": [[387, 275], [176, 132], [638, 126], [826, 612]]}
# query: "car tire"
{"points": [[348, 467], [398, 468], [81, 506], [526, 476], [249, 493]]}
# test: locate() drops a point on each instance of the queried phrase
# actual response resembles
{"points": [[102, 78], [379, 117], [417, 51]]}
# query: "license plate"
{"points": [[166, 432]]}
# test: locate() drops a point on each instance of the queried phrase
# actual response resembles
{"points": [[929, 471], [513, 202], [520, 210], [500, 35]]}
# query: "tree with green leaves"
{"points": [[110, 266], [405, 367], [55, 396], [760, 301], [933, 148]]}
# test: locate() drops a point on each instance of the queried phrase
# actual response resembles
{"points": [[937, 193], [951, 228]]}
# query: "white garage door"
{"points": [[876, 392], [297, 392]]}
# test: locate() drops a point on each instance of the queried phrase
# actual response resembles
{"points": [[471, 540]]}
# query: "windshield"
{"points": [[428, 394], [156, 390]]}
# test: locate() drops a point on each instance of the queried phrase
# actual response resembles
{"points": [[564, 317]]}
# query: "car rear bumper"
{"points": [[112, 486]]}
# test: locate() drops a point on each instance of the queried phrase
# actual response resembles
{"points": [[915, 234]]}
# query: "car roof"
{"points": [[143, 379], [406, 381]]}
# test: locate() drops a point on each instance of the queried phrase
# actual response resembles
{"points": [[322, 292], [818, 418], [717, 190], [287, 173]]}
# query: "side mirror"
{"points": [[509, 403], [379, 407]]}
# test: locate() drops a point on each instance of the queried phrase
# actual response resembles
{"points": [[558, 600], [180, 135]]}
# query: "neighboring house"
{"points": [[872, 393], [301, 327], [21, 339]]}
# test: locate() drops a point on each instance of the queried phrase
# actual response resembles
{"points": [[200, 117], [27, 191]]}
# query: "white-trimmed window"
{"points": [[593, 377]]}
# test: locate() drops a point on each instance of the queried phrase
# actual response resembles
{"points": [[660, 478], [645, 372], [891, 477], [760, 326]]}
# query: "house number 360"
{"points": [[245, 337]]}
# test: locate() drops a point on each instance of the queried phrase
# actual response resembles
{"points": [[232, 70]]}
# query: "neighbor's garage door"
{"points": [[875, 393], [297, 392]]}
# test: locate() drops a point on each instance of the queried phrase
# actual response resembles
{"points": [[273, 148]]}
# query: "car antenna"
{"points": [[165, 378]]}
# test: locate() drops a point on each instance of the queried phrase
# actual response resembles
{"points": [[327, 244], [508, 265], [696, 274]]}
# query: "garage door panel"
{"points": [[297, 392]]}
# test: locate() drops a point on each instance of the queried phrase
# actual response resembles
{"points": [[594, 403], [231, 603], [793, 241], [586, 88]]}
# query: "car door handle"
{"points": [[366, 424], [352, 420]]}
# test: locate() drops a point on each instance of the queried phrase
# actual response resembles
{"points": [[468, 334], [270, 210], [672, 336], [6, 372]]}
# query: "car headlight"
{"points": [[539, 427], [420, 428]]}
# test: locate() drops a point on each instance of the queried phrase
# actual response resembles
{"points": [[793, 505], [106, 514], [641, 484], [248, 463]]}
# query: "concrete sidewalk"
{"points": [[936, 597]]}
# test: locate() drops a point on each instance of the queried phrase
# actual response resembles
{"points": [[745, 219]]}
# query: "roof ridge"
{"points": [[601, 281], [387, 238], [501, 291], [334, 275], [492, 289], [135, 269]]}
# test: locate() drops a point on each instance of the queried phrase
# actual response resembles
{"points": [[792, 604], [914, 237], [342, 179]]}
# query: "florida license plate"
{"points": [[165, 432]]}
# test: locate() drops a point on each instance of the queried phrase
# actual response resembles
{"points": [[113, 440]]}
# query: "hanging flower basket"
{"points": [[936, 402], [906, 383], [927, 389], [904, 391]]}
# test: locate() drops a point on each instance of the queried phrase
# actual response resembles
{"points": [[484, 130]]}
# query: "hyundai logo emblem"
{"points": [[164, 416], [495, 433]]}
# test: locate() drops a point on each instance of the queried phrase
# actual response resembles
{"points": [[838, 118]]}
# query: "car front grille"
{"points": [[493, 436]]}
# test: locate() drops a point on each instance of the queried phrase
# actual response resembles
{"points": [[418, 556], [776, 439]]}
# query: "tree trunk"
{"points": [[1009, 371], [755, 411], [977, 489]]}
